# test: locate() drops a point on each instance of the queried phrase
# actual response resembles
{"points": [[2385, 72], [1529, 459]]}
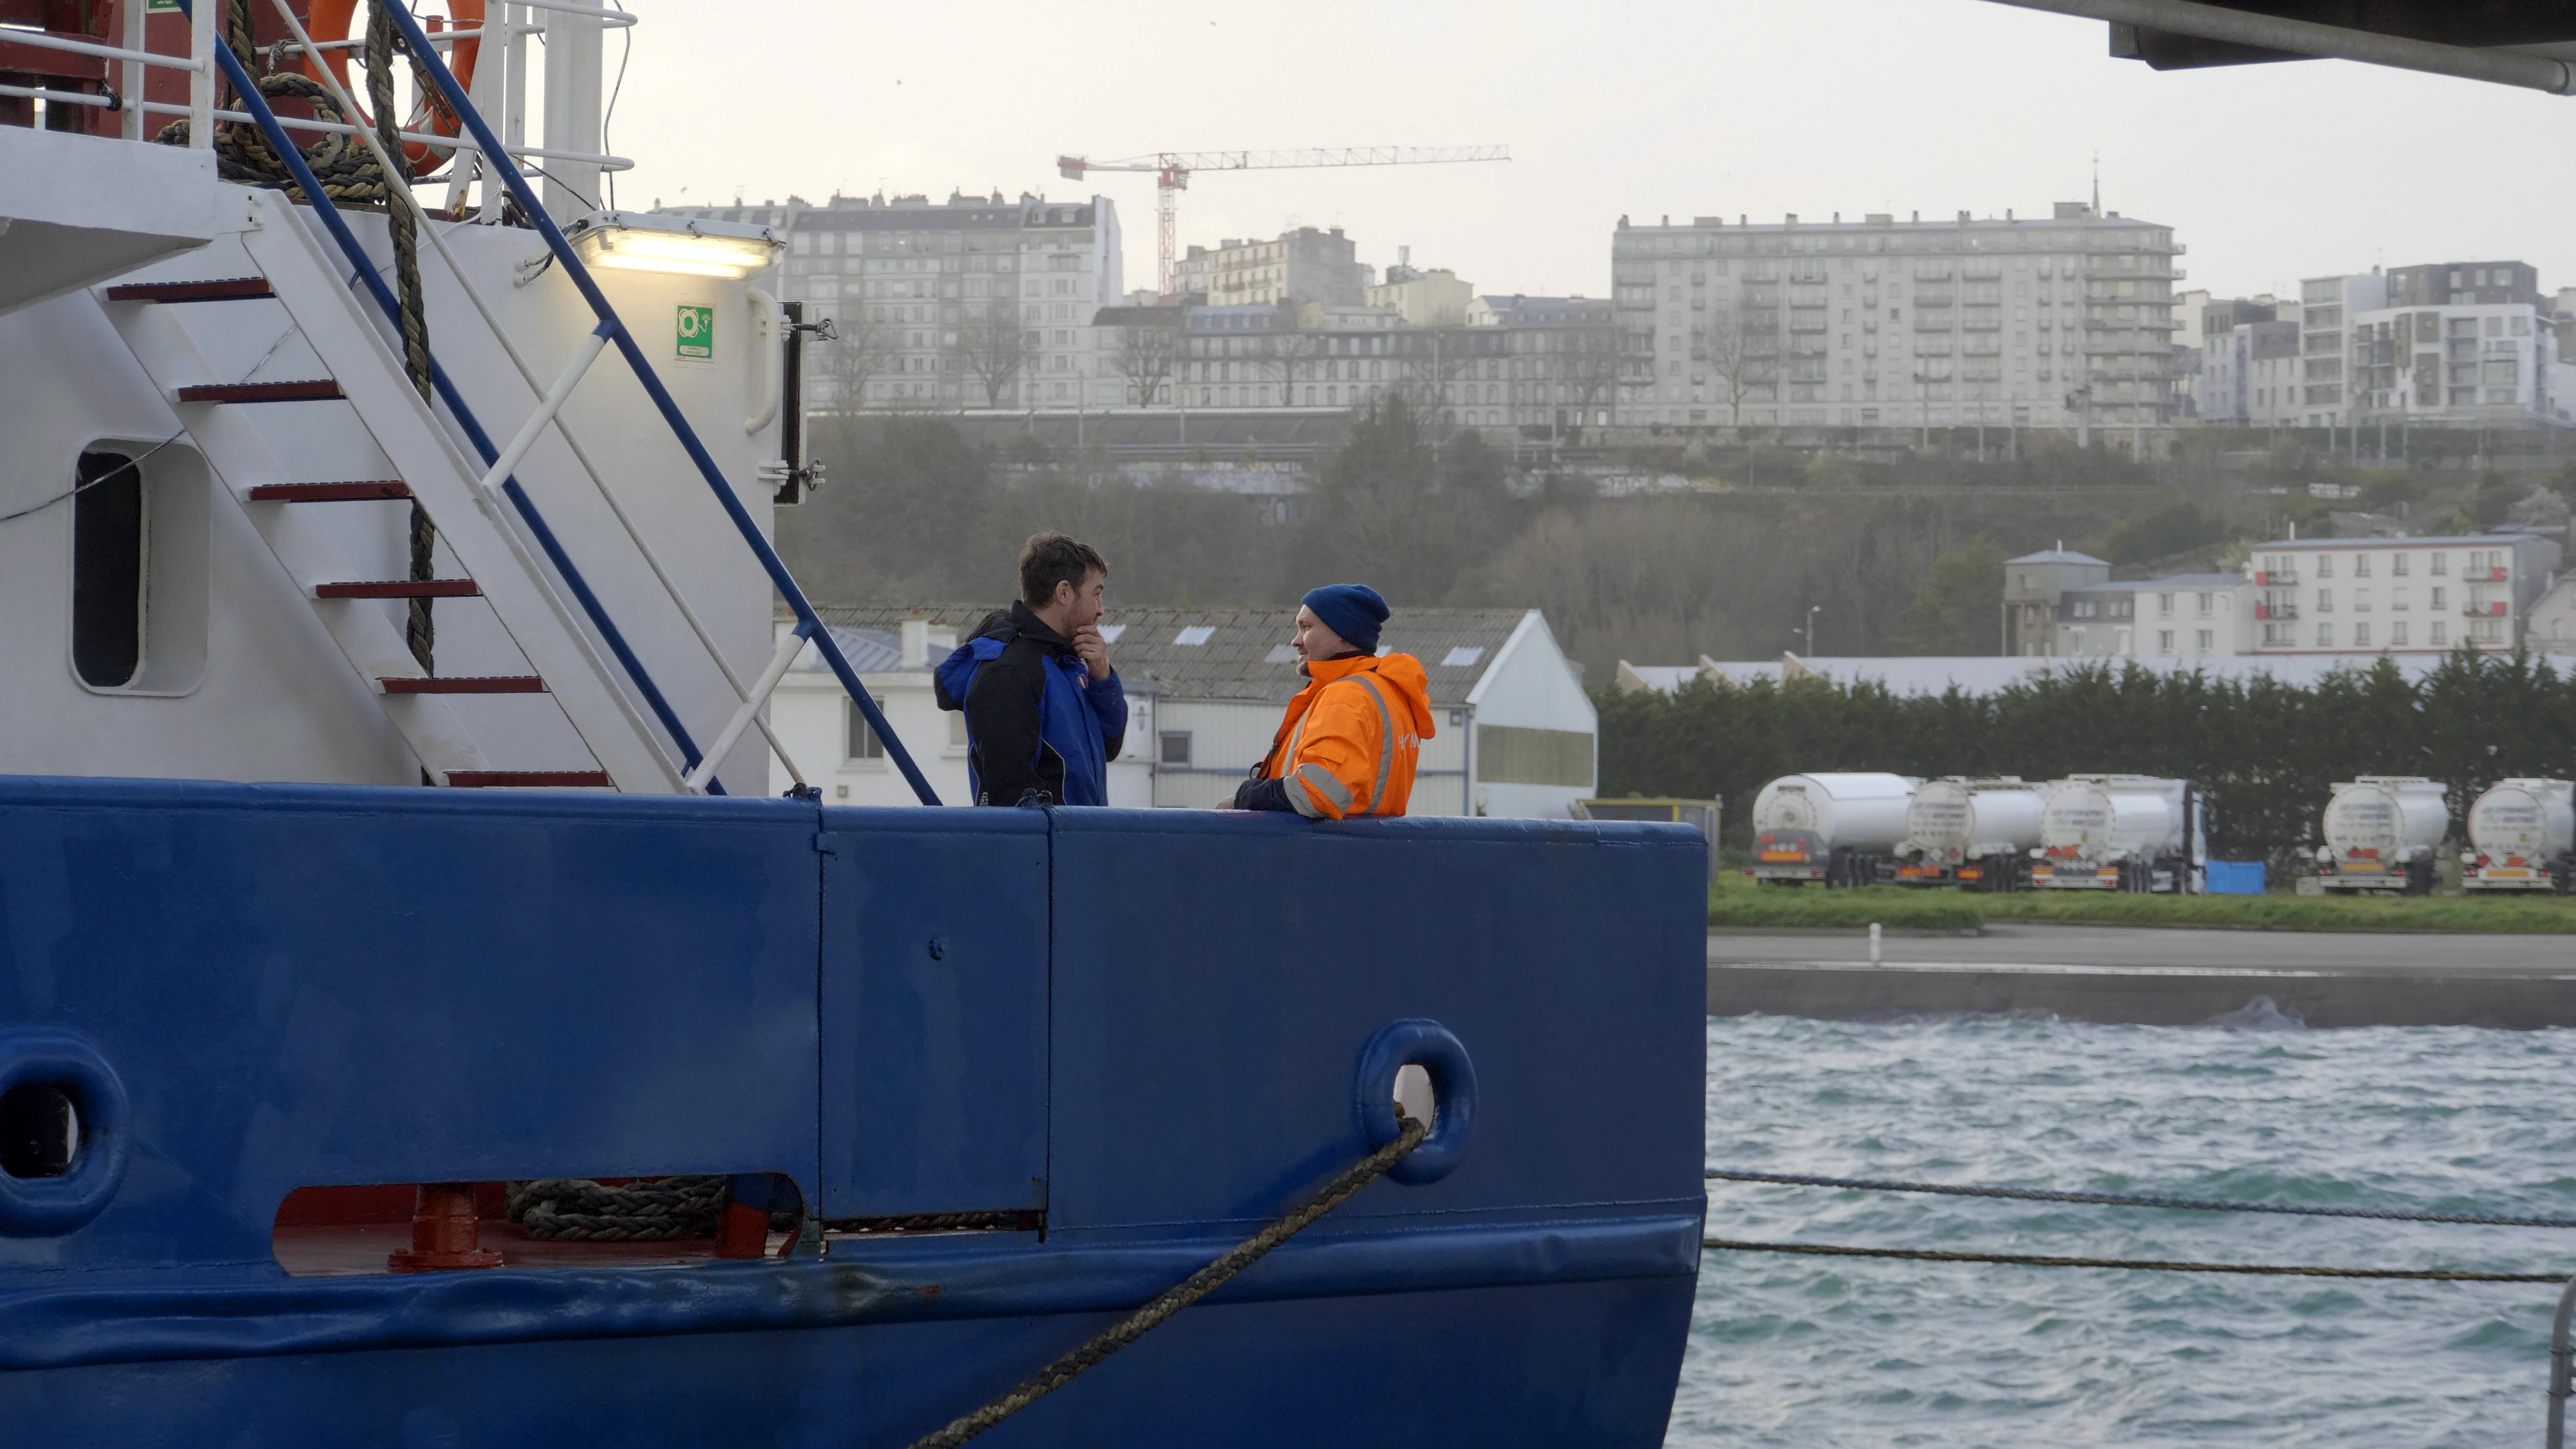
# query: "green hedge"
{"points": [[2263, 752]]}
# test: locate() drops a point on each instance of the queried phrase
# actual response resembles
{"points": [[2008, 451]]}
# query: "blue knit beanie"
{"points": [[1353, 611]]}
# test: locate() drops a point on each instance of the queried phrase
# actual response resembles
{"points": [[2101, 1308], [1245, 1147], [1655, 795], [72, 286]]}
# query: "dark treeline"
{"points": [[2264, 752], [914, 513]]}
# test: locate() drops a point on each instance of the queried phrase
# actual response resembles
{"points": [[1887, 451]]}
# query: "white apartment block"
{"points": [[2328, 306], [2398, 595], [2482, 364], [1303, 264], [2179, 616], [907, 282], [2042, 323]]}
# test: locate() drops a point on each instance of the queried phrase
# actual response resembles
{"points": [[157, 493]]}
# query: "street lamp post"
{"points": [[1810, 630]]}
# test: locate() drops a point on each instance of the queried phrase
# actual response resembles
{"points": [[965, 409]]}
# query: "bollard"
{"points": [[445, 1232], [1873, 943]]}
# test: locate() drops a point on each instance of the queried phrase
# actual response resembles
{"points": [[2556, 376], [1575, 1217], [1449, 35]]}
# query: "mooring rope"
{"points": [[2153, 1265], [1199, 1284], [654, 1210], [2112, 1199], [420, 628]]}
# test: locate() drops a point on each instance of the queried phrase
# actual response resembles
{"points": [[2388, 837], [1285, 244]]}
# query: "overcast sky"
{"points": [[1733, 107]]}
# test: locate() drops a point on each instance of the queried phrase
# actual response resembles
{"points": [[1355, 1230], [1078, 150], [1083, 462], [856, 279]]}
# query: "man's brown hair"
{"points": [[1048, 559]]}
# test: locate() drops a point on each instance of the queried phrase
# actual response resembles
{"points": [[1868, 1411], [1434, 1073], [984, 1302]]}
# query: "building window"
{"points": [[2325, 601], [2325, 565], [2202, 642], [2441, 635], [2438, 595], [2325, 636], [1175, 748], [2164, 641], [2441, 566], [2164, 603], [2361, 636], [2397, 636], [107, 570], [859, 739], [2397, 565], [2361, 566]]}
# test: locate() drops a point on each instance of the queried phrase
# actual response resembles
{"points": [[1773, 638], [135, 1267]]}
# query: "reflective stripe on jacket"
{"points": [[1352, 737]]}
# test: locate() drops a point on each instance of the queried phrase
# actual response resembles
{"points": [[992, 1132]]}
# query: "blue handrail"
{"points": [[497, 157], [365, 268]]}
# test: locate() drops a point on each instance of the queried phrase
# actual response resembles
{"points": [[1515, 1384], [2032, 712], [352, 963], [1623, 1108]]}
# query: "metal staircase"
{"points": [[366, 377], [507, 553]]}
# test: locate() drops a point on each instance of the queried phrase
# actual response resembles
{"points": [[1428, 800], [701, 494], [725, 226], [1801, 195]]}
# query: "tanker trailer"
{"points": [[1837, 829], [2522, 837], [2381, 832], [2132, 833], [1970, 831]]}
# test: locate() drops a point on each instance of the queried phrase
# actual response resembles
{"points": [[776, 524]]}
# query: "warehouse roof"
{"points": [[1986, 674], [1232, 653]]}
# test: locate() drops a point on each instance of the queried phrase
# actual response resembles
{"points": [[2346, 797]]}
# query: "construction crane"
{"points": [[1172, 175]]}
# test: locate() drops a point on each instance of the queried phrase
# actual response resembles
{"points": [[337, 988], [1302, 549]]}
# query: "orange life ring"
{"points": [[332, 20]]}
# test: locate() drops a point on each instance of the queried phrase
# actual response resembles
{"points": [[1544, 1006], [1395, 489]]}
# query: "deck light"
{"points": [[683, 246]]}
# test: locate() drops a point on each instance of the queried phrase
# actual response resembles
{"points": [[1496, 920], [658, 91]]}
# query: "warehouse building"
{"points": [[1514, 733]]}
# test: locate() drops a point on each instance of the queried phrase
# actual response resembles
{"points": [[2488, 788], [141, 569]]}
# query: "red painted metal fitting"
{"points": [[445, 1232], [743, 1232]]}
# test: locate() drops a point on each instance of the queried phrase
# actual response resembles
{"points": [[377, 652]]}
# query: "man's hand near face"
{"points": [[1094, 650]]}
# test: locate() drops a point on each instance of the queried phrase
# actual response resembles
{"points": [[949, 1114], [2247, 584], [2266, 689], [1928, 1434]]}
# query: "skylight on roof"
{"points": [[1280, 654], [1195, 634], [1109, 632], [1462, 657]]}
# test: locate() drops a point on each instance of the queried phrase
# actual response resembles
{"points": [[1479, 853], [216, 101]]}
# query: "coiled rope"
{"points": [[2111, 1199], [563, 1209], [2154, 1265], [1199, 1284], [341, 163]]}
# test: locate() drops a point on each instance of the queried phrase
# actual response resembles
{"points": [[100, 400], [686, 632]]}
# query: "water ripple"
{"points": [[1802, 1352]]}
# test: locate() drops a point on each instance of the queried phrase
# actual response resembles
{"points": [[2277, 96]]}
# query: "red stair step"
{"points": [[462, 684], [329, 492], [528, 779], [321, 389], [227, 289], [400, 589]]}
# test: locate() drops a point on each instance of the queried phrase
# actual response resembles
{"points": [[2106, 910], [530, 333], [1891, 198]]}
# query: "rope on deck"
{"points": [[2110, 1199], [1199, 1284]]}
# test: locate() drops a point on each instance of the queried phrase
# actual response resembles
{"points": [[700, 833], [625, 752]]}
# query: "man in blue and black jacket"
{"points": [[1044, 711]]}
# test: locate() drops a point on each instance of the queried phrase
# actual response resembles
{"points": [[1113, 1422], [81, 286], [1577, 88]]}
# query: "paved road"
{"points": [[2151, 977], [2348, 954]]}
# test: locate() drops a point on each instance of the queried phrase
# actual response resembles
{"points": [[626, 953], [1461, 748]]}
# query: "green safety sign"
{"points": [[697, 333], [157, 6]]}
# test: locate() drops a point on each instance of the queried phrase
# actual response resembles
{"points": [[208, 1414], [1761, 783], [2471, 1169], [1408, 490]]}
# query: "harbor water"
{"points": [[1791, 1350]]}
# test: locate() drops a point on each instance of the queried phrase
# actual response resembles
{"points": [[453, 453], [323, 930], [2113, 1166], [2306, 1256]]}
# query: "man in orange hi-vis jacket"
{"points": [[1354, 734]]}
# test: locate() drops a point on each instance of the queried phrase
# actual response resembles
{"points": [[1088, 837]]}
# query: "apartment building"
{"points": [[1302, 264], [2398, 595], [2176, 616], [2463, 284], [2328, 306], [908, 281], [2222, 372], [2041, 322], [2479, 364], [1434, 298]]}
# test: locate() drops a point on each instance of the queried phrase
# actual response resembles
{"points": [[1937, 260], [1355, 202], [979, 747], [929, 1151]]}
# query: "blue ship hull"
{"points": [[1134, 1036]]}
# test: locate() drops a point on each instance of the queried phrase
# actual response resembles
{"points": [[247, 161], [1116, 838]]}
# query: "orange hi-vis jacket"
{"points": [[1352, 737]]}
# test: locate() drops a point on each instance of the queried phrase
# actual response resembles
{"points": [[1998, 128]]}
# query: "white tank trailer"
{"points": [[2381, 834], [2522, 837], [2133, 833], [1970, 831], [1831, 829]]}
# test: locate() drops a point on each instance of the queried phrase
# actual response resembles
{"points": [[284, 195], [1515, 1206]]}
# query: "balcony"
{"points": [[2276, 611], [2482, 576], [2275, 579], [2483, 611]]}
